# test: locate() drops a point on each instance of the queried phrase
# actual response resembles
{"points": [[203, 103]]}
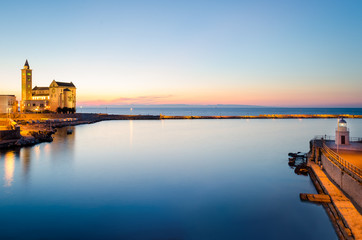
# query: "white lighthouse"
{"points": [[342, 133]]}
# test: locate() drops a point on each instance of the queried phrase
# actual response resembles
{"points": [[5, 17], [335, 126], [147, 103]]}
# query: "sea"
{"points": [[215, 111], [166, 179]]}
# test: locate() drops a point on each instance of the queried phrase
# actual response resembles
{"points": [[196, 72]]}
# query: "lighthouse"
{"points": [[342, 133]]}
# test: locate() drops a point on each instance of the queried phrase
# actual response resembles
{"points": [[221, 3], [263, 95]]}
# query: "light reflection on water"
{"points": [[9, 168], [170, 179]]}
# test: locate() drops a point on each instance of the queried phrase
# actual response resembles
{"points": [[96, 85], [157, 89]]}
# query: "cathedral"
{"points": [[37, 99]]}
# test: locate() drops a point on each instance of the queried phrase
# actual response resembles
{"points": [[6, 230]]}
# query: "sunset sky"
{"points": [[269, 53]]}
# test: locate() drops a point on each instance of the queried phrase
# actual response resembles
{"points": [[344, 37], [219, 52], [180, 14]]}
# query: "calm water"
{"points": [[175, 179], [219, 111]]}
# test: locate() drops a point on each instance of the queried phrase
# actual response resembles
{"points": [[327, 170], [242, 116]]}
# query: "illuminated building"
{"points": [[58, 94], [8, 104]]}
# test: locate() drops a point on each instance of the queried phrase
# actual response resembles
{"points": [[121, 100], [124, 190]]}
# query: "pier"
{"points": [[341, 181]]}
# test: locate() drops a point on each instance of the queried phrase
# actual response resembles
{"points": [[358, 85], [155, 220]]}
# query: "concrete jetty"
{"points": [[340, 178], [348, 218]]}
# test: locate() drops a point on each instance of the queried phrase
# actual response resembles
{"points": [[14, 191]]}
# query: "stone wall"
{"points": [[346, 182], [10, 134]]}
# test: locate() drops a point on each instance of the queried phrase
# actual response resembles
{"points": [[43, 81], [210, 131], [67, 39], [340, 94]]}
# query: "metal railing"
{"points": [[326, 137], [343, 164], [355, 139]]}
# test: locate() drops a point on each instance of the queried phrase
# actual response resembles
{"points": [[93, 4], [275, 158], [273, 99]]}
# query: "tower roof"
{"points": [[26, 64], [341, 121]]}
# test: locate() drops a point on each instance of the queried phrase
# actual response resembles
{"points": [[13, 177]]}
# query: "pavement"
{"points": [[345, 207], [352, 153], [353, 157]]}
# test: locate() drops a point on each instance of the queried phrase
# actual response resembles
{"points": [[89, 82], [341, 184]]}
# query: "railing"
{"points": [[343, 131], [326, 137], [345, 165], [8, 124], [355, 139]]}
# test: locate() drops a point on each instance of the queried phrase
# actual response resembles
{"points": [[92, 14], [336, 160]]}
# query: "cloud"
{"points": [[127, 101]]}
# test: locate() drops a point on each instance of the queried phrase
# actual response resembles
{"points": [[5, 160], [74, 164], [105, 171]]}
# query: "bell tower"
{"points": [[26, 83]]}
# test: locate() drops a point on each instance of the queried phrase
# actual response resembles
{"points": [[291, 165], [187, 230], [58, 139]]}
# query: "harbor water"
{"points": [[165, 179]]}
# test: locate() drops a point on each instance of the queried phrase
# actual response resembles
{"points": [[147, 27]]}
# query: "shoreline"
{"points": [[37, 128]]}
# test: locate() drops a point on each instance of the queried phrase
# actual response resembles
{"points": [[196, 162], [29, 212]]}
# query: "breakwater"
{"points": [[99, 117], [38, 127], [342, 182]]}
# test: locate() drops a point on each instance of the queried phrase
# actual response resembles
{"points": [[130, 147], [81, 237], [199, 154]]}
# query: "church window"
{"points": [[29, 74], [33, 104]]}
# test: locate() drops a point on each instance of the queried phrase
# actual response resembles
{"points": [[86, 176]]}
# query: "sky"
{"points": [[301, 53]]}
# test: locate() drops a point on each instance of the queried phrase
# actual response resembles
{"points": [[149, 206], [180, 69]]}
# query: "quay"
{"points": [[340, 178]]}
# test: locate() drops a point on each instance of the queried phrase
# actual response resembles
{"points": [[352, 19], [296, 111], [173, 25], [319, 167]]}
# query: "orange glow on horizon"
{"points": [[274, 97]]}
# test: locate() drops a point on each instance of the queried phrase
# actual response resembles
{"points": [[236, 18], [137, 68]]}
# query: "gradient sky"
{"points": [[270, 53]]}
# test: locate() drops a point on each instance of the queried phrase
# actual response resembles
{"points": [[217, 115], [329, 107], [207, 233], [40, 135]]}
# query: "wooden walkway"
{"points": [[343, 205]]}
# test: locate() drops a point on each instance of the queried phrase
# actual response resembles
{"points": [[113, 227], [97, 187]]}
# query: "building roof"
{"points": [[26, 64], [65, 84], [7, 95], [40, 88], [342, 121], [66, 90]]}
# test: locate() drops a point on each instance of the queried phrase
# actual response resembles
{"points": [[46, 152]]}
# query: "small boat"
{"points": [[297, 155]]}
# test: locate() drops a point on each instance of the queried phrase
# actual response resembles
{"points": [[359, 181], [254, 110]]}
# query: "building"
{"points": [[62, 95], [8, 104], [342, 133], [57, 95]]}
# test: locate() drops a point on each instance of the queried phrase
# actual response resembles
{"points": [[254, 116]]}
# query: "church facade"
{"points": [[37, 99]]}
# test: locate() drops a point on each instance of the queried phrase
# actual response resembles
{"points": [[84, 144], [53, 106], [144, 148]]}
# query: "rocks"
{"points": [[26, 141], [43, 136], [34, 138]]}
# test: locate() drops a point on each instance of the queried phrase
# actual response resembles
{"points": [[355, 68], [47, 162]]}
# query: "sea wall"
{"points": [[10, 134], [346, 182]]}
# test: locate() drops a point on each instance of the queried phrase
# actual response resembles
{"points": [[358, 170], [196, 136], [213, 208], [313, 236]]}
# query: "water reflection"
{"points": [[9, 168], [130, 133], [25, 158], [62, 148], [65, 142]]}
